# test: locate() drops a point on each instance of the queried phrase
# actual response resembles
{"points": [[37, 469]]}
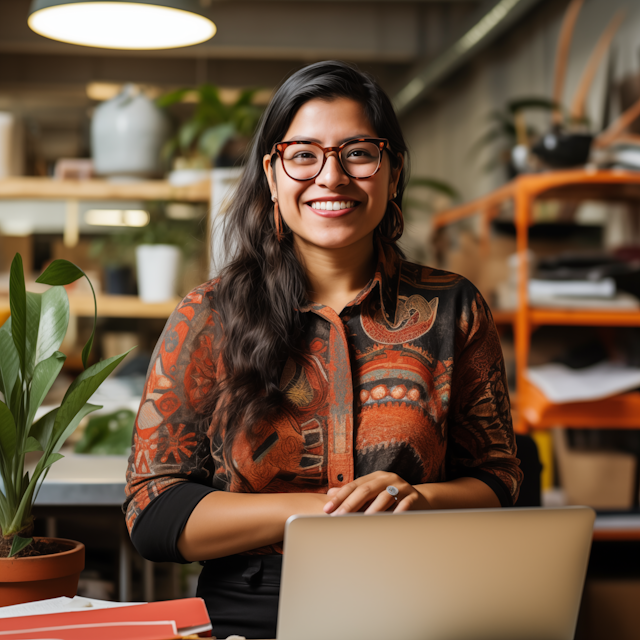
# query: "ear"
{"points": [[268, 169], [394, 176]]}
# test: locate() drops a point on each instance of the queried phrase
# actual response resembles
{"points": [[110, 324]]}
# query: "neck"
{"points": [[336, 276]]}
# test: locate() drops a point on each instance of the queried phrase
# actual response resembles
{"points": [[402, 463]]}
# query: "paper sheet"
{"points": [[59, 605], [605, 379]]}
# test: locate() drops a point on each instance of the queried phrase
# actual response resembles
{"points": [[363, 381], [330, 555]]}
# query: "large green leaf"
{"points": [[54, 319], [32, 445], [44, 376], [34, 306], [7, 434], [73, 425], [82, 388], [9, 363], [42, 429], [62, 272], [18, 303], [214, 138]]}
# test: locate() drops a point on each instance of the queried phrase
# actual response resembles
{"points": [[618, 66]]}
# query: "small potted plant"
{"points": [[215, 135], [37, 568]]}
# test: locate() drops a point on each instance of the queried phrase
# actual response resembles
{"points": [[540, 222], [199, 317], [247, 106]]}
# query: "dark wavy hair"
{"points": [[263, 285]]}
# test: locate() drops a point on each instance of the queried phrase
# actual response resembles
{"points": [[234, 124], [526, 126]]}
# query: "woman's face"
{"points": [[330, 123]]}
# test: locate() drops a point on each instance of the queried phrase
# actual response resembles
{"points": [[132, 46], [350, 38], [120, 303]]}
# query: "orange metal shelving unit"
{"points": [[535, 411]]}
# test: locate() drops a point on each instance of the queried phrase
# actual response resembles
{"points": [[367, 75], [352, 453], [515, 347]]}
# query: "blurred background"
{"points": [[523, 124]]}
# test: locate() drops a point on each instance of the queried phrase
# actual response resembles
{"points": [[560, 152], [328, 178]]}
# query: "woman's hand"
{"points": [[369, 493]]}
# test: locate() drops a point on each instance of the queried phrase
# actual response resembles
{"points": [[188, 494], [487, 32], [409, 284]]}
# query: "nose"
{"points": [[332, 174]]}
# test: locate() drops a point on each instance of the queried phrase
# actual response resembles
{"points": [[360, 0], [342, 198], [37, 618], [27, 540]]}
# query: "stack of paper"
{"points": [[562, 384], [74, 619]]}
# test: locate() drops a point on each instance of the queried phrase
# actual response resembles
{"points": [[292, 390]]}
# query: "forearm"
{"points": [[462, 493], [225, 523]]}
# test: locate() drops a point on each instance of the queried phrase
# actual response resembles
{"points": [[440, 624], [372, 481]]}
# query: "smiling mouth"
{"points": [[333, 205]]}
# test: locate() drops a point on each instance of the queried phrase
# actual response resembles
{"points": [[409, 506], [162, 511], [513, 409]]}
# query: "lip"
{"points": [[332, 214]]}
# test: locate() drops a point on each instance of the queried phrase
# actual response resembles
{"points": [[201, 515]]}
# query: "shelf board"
{"points": [[586, 317], [617, 412], [502, 317], [110, 306], [50, 189]]}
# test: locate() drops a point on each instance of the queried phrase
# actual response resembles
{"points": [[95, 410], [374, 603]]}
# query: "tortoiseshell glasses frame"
{"points": [[380, 143]]}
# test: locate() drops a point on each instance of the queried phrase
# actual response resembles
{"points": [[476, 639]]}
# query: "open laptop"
{"points": [[486, 574]]}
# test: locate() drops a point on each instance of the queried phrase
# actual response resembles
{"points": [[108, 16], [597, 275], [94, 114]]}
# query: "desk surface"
{"points": [[92, 480], [84, 480]]}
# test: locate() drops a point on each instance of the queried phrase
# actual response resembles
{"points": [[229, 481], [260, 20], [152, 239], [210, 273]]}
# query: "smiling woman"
{"points": [[321, 373]]}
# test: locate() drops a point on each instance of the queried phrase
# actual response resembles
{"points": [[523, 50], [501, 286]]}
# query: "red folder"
{"points": [[152, 621]]}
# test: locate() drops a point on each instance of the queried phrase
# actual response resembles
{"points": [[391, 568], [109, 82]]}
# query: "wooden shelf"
{"points": [[617, 412], [120, 307], [110, 307], [586, 317], [502, 317], [49, 189]]}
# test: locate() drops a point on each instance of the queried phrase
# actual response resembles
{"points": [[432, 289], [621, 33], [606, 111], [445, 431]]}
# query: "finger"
{"points": [[383, 502], [358, 498], [342, 493], [405, 504], [333, 491]]}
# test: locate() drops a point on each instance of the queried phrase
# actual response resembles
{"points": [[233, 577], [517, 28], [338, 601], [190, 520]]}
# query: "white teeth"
{"points": [[336, 205]]}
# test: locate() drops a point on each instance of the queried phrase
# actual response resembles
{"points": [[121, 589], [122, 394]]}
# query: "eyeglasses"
{"points": [[359, 158]]}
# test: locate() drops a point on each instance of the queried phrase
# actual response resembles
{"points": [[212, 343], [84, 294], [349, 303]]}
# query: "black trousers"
{"points": [[241, 594]]}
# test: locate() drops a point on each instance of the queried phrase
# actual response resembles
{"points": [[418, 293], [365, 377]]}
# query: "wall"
{"points": [[441, 131]]}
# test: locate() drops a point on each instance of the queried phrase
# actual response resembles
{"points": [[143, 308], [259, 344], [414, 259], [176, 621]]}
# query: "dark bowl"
{"points": [[562, 150]]}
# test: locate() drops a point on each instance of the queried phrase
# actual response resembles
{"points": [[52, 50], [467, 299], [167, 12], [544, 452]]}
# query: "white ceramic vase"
{"points": [[158, 266], [127, 134]]}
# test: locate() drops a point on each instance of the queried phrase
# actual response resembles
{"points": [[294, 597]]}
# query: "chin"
{"points": [[335, 239]]}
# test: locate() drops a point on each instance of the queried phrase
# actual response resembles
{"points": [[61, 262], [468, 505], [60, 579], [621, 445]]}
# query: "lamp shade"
{"points": [[116, 24]]}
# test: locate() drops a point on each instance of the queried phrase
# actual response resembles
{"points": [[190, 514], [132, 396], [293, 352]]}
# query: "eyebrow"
{"points": [[308, 139]]}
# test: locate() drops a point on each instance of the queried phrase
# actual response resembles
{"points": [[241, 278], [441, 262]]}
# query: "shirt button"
{"points": [[340, 477]]}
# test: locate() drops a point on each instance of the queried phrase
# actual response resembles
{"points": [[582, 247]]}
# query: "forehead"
{"points": [[330, 121]]}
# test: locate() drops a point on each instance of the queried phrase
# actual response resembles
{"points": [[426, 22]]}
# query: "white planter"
{"points": [[158, 266], [127, 134]]}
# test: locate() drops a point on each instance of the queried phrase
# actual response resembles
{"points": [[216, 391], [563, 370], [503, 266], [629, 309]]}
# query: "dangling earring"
{"points": [[277, 219], [398, 222]]}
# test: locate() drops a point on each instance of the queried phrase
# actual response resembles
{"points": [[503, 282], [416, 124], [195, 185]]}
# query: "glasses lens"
{"points": [[302, 161], [361, 159]]}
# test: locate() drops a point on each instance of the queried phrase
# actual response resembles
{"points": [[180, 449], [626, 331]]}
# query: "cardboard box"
{"points": [[599, 479]]}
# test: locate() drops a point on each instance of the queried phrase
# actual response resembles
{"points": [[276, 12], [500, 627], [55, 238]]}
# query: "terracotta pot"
{"points": [[41, 577]]}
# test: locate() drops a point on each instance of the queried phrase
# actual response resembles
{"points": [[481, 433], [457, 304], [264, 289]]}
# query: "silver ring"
{"points": [[393, 492]]}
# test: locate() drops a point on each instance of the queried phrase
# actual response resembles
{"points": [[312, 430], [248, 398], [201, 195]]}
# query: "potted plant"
{"points": [[160, 247], [36, 568], [216, 134]]}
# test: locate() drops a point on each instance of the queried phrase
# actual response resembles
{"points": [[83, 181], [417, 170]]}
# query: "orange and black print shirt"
{"points": [[408, 378]]}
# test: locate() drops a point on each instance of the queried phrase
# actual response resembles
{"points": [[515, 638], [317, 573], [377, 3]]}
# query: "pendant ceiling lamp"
{"points": [[116, 24]]}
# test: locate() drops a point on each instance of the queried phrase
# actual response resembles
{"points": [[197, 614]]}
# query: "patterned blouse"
{"points": [[408, 378]]}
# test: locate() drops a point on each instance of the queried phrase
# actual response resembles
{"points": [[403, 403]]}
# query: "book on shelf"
{"points": [[605, 288], [125, 621]]}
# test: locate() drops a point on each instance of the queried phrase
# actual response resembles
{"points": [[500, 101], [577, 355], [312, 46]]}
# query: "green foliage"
{"points": [[213, 123], [502, 125], [108, 434], [30, 363], [420, 186]]}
